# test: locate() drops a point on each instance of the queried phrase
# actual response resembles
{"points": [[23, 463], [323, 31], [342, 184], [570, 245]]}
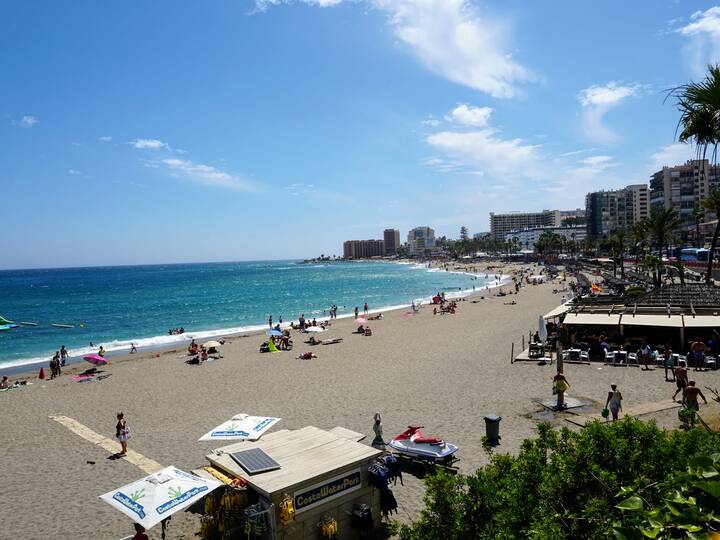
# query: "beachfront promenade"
{"points": [[445, 372]]}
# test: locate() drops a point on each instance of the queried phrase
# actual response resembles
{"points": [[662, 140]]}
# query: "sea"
{"points": [[117, 306]]}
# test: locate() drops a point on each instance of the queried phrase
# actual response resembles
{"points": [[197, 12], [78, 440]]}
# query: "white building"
{"points": [[526, 238], [420, 240], [513, 221]]}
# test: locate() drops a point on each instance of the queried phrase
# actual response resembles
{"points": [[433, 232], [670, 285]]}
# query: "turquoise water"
{"points": [[114, 306]]}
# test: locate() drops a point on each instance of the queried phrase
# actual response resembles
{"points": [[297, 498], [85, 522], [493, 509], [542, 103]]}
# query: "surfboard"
{"points": [[25, 323]]}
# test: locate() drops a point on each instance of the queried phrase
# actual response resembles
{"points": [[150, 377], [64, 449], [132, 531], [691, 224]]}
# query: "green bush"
{"points": [[562, 484]]}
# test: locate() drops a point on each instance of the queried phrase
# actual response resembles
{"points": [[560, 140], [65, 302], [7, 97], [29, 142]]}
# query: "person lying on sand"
{"points": [[306, 356], [332, 341], [510, 303], [375, 317], [313, 341]]}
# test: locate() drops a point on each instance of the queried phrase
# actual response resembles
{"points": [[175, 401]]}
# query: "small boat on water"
{"points": [[26, 323], [4, 321], [4, 327], [57, 325]]}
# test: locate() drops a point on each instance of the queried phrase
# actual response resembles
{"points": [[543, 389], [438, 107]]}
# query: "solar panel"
{"points": [[255, 461]]}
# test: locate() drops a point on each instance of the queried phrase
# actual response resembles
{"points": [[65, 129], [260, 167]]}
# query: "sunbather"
{"points": [[306, 356]]}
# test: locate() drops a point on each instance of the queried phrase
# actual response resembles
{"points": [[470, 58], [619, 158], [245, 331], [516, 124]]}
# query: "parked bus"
{"points": [[694, 254]]}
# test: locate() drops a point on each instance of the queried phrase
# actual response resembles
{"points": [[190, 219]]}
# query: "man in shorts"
{"points": [[690, 396], [681, 378]]}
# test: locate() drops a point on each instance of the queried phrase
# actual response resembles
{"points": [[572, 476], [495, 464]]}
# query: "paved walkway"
{"points": [[145, 464], [636, 410]]}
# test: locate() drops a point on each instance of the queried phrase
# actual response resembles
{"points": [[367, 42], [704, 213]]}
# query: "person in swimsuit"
{"points": [[614, 401], [122, 433], [690, 396], [63, 355], [681, 378]]}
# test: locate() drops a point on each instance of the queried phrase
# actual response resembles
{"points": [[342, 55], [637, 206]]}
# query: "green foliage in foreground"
{"points": [[562, 484]]}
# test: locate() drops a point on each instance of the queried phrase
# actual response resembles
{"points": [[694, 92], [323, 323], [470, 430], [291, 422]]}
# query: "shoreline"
{"points": [[26, 369]]}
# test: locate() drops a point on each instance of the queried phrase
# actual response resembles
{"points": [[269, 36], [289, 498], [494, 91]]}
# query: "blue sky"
{"points": [[181, 130]]}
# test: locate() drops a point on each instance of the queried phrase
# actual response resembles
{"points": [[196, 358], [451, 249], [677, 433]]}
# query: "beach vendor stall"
{"points": [[295, 484]]}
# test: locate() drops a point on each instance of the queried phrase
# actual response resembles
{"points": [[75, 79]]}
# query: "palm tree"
{"points": [[639, 234], [698, 215], [617, 242], [663, 223], [654, 266], [711, 203], [699, 105]]}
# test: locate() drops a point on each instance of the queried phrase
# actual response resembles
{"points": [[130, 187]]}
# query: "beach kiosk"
{"points": [[300, 484]]}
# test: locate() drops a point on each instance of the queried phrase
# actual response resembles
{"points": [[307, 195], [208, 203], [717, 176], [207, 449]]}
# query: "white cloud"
{"points": [[703, 33], [458, 42], [468, 115], [28, 121], [73, 172], [596, 102], [262, 5], [204, 174], [599, 162], [485, 149], [105, 139], [452, 38], [149, 144], [671, 155], [432, 122]]}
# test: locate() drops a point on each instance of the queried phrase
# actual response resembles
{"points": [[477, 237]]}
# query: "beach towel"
{"points": [[272, 347]]}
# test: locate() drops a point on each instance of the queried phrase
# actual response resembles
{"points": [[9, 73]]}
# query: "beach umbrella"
{"points": [[542, 329], [276, 333], [158, 496], [314, 329], [212, 344], [241, 426], [95, 359]]}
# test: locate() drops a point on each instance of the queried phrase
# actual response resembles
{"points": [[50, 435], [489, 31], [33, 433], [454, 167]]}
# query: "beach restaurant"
{"points": [[292, 485], [674, 314]]}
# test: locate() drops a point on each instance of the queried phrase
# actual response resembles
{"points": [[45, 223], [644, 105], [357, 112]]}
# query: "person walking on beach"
{"points": [[614, 401], [681, 378], [365, 308], [54, 365], [270, 321], [668, 363], [63, 355], [356, 312], [690, 396], [122, 433]]}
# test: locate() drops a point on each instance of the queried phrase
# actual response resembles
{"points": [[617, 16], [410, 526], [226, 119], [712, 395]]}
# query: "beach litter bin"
{"points": [[492, 428]]}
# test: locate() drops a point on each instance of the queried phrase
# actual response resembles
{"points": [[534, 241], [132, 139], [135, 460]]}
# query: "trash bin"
{"points": [[492, 428]]}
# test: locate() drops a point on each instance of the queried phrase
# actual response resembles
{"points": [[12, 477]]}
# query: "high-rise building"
{"points": [[392, 241], [363, 249], [420, 240], [512, 221], [526, 238], [683, 187], [606, 212]]}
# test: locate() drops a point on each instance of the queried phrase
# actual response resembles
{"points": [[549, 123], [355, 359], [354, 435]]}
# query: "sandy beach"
{"points": [[445, 372]]}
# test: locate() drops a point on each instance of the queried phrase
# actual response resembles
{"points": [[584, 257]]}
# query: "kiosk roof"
{"points": [[303, 455]]}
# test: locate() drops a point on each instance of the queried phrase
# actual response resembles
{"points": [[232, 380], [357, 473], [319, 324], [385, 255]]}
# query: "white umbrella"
{"points": [[152, 499], [241, 426], [542, 329], [212, 344], [314, 329]]}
